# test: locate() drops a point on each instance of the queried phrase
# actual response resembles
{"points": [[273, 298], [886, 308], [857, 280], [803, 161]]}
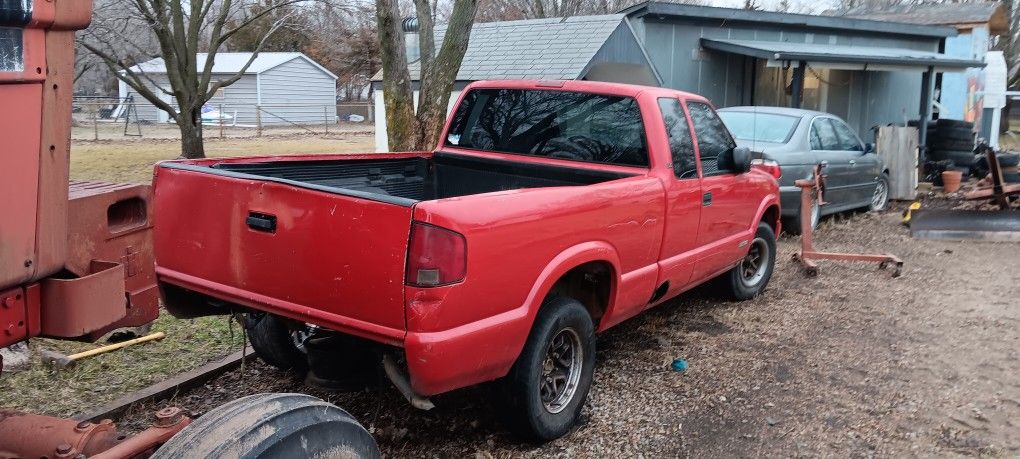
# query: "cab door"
{"points": [[726, 209], [683, 200]]}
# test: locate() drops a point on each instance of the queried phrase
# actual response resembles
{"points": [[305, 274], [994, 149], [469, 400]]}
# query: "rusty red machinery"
{"points": [[75, 261], [811, 190]]}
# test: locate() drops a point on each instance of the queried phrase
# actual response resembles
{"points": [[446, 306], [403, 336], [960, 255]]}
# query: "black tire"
{"points": [[880, 200], [1011, 177], [951, 133], [271, 426], [1008, 159], [961, 158], [527, 410], [273, 342], [948, 123], [791, 225], [950, 144], [750, 277]]}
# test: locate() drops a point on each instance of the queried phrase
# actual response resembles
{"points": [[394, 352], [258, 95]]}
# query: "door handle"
{"points": [[706, 199], [852, 162], [258, 221]]}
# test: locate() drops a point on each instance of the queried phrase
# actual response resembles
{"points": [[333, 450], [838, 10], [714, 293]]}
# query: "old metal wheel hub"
{"points": [[561, 370], [755, 263]]}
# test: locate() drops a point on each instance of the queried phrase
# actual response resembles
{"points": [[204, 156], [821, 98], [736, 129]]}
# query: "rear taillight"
{"points": [[769, 166], [435, 256]]}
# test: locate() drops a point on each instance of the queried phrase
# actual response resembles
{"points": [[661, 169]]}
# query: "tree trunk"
{"points": [[437, 81], [401, 125], [190, 124]]}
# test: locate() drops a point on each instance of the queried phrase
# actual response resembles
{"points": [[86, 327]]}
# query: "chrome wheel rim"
{"points": [[561, 370], [755, 263], [879, 198]]}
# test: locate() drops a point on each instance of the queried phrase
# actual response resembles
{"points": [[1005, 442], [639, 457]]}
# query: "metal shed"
{"points": [[276, 89]]}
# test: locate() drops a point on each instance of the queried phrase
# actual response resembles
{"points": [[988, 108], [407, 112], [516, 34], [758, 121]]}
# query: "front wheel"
{"points": [[880, 199], [546, 388], [752, 274]]}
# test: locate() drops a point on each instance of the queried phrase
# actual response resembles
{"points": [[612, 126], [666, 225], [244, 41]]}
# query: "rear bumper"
{"points": [[360, 328]]}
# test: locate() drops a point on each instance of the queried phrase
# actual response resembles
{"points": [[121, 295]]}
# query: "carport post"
{"points": [[797, 85], [927, 94]]}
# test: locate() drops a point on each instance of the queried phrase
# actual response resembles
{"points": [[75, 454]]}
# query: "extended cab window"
{"points": [[680, 143], [556, 124], [713, 138]]}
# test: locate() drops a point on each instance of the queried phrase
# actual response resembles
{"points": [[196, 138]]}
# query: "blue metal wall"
{"points": [[865, 99]]}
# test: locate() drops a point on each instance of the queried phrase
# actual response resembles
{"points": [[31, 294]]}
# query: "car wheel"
{"points": [[546, 388], [277, 344], [752, 274], [792, 224], [880, 199]]}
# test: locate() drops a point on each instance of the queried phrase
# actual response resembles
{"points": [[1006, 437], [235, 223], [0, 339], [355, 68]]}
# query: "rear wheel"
{"points": [[270, 426], [278, 342], [546, 388], [792, 224], [752, 274]]}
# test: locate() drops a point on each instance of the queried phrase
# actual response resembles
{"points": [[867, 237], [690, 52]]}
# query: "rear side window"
{"points": [[555, 124], [680, 143], [713, 138]]}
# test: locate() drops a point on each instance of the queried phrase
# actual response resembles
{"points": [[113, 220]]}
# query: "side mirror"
{"points": [[742, 159], [736, 159], [869, 148]]}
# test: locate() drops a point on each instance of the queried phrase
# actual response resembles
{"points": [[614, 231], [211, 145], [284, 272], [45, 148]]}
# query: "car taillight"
{"points": [[769, 166], [435, 256]]}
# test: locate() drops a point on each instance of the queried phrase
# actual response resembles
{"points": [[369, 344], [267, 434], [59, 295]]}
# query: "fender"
{"points": [[768, 201]]}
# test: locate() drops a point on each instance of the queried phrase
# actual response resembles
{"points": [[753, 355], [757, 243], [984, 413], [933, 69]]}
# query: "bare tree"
{"points": [[406, 128], [181, 29]]}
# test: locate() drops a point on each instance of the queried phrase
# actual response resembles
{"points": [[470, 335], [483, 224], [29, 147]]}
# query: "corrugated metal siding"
{"points": [[239, 97], [298, 92], [145, 110]]}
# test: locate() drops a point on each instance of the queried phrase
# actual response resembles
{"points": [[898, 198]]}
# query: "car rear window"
{"points": [[556, 124], [759, 127]]}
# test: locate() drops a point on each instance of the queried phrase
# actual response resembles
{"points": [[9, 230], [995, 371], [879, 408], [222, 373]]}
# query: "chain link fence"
{"points": [[102, 118]]}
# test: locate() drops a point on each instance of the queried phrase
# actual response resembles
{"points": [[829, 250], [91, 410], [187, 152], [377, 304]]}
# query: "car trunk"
{"points": [[323, 241]]}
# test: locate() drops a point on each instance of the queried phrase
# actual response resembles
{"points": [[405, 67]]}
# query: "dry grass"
{"points": [[189, 343], [132, 161]]}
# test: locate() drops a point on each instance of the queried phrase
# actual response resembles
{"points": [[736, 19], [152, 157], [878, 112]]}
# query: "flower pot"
{"points": [[951, 181]]}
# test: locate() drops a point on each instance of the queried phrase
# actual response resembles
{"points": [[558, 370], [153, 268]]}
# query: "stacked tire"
{"points": [[952, 140], [1009, 162]]}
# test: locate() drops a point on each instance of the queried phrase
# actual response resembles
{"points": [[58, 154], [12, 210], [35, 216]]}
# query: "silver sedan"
{"points": [[800, 139]]}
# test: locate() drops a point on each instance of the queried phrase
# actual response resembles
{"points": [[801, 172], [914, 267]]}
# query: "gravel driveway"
{"points": [[851, 363]]}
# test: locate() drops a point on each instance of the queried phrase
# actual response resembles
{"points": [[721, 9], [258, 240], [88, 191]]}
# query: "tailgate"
{"points": [[313, 255]]}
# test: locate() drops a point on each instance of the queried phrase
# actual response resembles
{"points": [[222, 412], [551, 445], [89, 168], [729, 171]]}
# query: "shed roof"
{"points": [[533, 49], [652, 8], [854, 54], [234, 62], [961, 15]]}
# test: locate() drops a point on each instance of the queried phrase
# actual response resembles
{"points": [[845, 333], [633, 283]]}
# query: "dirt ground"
{"points": [[852, 363]]}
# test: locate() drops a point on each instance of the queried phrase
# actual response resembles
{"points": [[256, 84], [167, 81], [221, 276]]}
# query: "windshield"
{"points": [[760, 127], [555, 124]]}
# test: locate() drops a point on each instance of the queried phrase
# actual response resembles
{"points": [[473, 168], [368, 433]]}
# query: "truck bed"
{"points": [[414, 179]]}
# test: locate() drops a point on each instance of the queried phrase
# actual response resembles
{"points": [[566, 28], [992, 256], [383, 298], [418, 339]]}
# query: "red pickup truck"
{"points": [[549, 212]]}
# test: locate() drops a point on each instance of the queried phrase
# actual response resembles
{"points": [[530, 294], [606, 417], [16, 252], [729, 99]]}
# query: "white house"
{"points": [[284, 87]]}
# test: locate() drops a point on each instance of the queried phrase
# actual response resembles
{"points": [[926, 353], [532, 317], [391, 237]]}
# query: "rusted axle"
{"points": [[24, 435], [807, 251]]}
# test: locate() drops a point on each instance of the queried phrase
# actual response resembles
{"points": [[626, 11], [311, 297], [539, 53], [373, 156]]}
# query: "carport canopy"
{"points": [[843, 56]]}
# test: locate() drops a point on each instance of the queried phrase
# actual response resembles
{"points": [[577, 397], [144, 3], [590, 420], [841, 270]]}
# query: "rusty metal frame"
{"points": [[807, 253], [999, 191]]}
